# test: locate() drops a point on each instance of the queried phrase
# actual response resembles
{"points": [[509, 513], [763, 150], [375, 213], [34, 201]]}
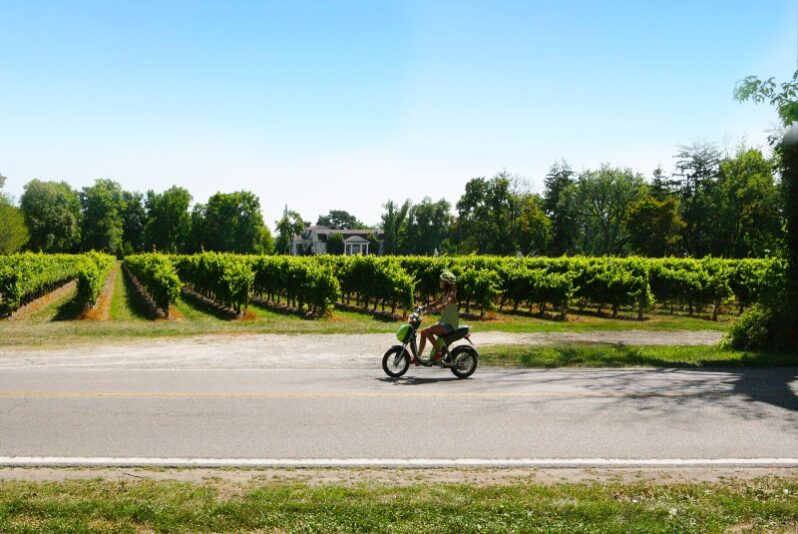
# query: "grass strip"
{"points": [[761, 505], [129, 321], [605, 355]]}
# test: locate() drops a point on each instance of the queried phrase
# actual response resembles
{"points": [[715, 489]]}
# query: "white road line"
{"points": [[76, 461]]}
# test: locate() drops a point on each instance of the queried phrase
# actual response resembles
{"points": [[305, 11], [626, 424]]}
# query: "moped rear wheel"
{"points": [[396, 361], [464, 361]]}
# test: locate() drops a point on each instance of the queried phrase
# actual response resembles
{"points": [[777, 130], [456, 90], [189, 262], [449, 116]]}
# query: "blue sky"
{"points": [[344, 105]]}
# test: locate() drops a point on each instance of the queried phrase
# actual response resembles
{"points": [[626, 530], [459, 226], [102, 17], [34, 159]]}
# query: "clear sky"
{"points": [[343, 105]]}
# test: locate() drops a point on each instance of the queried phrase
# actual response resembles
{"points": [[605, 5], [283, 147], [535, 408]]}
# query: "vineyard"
{"points": [[315, 285], [25, 277]]}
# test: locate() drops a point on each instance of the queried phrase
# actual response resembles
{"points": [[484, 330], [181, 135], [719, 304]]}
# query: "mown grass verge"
{"points": [[761, 505], [605, 355], [130, 320]]}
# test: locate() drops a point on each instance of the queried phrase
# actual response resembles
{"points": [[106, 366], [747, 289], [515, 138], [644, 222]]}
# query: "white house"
{"points": [[314, 241]]}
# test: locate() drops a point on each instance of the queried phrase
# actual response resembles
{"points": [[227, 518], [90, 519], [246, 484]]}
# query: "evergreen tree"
{"points": [[558, 206]]}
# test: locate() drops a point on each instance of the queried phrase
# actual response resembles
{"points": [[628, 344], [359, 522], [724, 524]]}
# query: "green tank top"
{"points": [[450, 316]]}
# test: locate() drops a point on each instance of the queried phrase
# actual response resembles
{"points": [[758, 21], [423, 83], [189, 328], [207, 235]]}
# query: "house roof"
{"points": [[324, 230], [327, 230], [355, 239]]}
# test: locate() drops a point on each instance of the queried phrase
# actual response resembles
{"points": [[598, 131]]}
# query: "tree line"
{"points": [[729, 206], [724, 206], [54, 217]]}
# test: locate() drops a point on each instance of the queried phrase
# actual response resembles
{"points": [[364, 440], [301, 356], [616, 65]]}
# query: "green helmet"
{"points": [[448, 277]]}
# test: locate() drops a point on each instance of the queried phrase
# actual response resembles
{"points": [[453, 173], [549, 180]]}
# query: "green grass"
{"points": [[131, 319], [763, 505], [605, 355], [54, 309], [126, 304], [127, 324]]}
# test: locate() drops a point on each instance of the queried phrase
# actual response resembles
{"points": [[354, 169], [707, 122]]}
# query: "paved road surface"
{"points": [[356, 413]]}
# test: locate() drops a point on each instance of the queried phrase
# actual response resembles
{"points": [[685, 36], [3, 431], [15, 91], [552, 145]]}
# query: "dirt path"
{"points": [[299, 351], [101, 311]]}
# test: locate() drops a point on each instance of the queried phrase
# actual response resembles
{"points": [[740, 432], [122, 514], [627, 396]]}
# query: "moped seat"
{"points": [[460, 333]]}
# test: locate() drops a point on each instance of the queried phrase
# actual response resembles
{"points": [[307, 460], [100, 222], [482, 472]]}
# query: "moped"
{"points": [[461, 359]]}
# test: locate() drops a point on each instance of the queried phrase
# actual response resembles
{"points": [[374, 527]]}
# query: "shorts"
{"points": [[448, 328]]}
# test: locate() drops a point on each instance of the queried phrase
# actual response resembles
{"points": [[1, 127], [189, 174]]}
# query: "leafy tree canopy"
{"points": [[13, 232], [289, 225], [335, 244], [52, 213], [393, 221], [603, 198], [134, 218], [486, 215], [168, 220], [654, 226], [102, 228], [783, 96], [232, 222], [340, 220]]}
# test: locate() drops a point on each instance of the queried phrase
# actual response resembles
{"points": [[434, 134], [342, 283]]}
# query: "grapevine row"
{"points": [[25, 277], [157, 275], [484, 282]]}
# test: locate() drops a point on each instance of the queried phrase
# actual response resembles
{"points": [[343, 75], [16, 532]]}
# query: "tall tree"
{"points": [[102, 204], [746, 218], [233, 223], [654, 226], [604, 197], [698, 166], [773, 323], [289, 225], [52, 215], [335, 244], [558, 207], [533, 228], [13, 233], [486, 214], [426, 227], [393, 223], [662, 186], [340, 220], [134, 217], [168, 221]]}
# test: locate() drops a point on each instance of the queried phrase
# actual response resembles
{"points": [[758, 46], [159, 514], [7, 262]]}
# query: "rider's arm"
{"points": [[441, 303], [435, 306]]}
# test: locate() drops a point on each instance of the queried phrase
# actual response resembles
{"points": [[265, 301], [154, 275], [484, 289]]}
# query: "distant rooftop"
{"points": [[327, 230]]}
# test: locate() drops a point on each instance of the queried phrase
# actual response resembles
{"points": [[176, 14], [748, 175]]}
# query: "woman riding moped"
{"points": [[450, 320]]}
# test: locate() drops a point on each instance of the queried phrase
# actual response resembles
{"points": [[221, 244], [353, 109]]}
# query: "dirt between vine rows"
{"points": [[300, 351], [101, 311], [37, 304]]}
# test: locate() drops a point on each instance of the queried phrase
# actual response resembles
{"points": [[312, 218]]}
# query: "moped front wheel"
{"points": [[396, 361]]}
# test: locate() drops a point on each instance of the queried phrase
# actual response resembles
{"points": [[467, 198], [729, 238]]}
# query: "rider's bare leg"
{"points": [[424, 336], [430, 333]]}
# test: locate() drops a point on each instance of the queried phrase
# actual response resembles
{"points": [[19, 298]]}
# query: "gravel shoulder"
{"points": [[302, 351], [402, 477]]}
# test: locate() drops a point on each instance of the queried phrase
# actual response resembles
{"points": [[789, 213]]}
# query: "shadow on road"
{"points": [[416, 380], [692, 387], [769, 386], [757, 377]]}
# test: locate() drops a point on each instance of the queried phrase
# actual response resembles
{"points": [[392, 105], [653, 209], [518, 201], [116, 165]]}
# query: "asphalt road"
{"points": [[359, 413]]}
